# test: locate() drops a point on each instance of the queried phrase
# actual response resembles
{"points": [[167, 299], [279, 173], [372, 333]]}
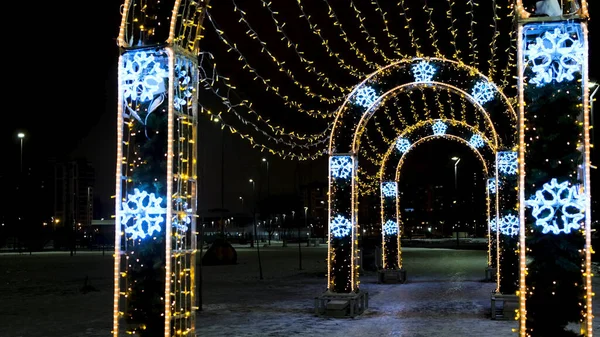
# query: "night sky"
{"points": [[61, 85]]}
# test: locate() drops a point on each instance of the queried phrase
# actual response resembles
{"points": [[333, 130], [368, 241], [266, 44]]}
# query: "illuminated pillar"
{"points": [[390, 226], [342, 266], [554, 158], [492, 221], [156, 182], [507, 222]]}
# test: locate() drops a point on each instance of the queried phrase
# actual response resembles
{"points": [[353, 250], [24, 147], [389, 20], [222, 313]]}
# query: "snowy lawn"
{"points": [[444, 296]]}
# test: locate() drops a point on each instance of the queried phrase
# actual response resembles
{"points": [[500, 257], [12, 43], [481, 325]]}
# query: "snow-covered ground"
{"points": [[444, 296]]}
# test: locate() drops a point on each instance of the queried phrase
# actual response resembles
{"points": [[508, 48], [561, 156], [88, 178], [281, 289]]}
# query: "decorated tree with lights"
{"points": [[554, 281]]}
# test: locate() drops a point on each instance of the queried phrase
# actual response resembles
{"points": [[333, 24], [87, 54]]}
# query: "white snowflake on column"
{"points": [[402, 145], [491, 185], [557, 208], [507, 162], [493, 226], [142, 76], [423, 71], [145, 211], [341, 166], [483, 92], [509, 225], [390, 227], [555, 56], [340, 226], [476, 141], [389, 189], [365, 96], [439, 128]]}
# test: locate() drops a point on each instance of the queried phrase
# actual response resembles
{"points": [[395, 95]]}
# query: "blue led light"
{"points": [[423, 71], [557, 208], [483, 92], [365, 96], [509, 225], [390, 227], [493, 226], [340, 227], [439, 128], [142, 76], [402, 145], [143, 209], [491, 185], [341, 167], [389, 189], [507, 162], [476, 141]]}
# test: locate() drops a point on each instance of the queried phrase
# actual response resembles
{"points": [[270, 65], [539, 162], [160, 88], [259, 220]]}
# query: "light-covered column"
{"points": [[507, 234], [390, 226]]}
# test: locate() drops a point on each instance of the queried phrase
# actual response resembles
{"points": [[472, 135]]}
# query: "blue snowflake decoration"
{"points": [[476, 141], [483, 92], [402, 145], [340, 227], [555, 56], [507, 162], [182, 219], [365, 96], [491, 185], [557, 208], [389, 189], [509, 225], [341, 167], [423, 71], [142, 76], [185, 87], [439, 128], [390, 227], [141, 214], [493, 226]]}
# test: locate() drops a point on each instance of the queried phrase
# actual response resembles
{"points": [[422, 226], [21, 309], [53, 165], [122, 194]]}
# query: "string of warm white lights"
{"points": [[414, 40], [371, 39], [393, 39], [472, 37], [432, 30]]}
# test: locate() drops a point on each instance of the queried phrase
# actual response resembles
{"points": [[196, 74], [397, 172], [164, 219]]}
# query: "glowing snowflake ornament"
{"points": [[340, 227], [507, 162], [556, 57], [483, 92], [365, 96], [390, 227], [423, 71], [476, 141], [142, 76], [389, 189], [557, 208], [491, 185], [439, 128], [402, 145], [341, 167], [144, 210], [509, 225]]}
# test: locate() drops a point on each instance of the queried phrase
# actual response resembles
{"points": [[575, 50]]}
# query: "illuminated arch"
{"points": [[351, 120]]}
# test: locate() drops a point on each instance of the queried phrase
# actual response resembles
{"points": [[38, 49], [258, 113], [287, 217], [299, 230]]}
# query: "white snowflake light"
{"points": [[389, 189], [365, 96], [491, 185], [476, 141], [143, 209], [402, 145], [507, 162], [423, 71], [185, 86], [493, 226], [142, 76], [390, 227], [439, 128], [557, 208], [509, 225], [340, 227], [556, 56], [341, 166], [182, 218], [483, 92]]}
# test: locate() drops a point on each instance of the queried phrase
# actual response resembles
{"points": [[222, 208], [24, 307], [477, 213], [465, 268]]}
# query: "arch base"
{"points": [[341, 305], [391, 275]]}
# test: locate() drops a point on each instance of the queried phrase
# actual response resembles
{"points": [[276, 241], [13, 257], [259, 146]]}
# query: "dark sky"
{"points": [[62, 92]]}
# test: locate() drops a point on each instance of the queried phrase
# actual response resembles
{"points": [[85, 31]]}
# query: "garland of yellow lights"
{"points": [[414, 40], [371, 39], [393, 39], [432, 30]]}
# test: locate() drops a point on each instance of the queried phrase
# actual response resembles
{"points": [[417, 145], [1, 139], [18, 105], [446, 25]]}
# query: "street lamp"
{"points": [[457, 160], [255, 231], [21, 136], [456, 171], [242, 200]]}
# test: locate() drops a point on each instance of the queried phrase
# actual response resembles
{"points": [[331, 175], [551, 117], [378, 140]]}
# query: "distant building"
{"points": [[314, 196], [74, 195]]}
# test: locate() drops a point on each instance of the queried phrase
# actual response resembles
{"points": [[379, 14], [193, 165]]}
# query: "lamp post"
{"points": [[255, 231], [592, 85], [299, 243], [21, 136], [456, 161], [306, 226]]}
